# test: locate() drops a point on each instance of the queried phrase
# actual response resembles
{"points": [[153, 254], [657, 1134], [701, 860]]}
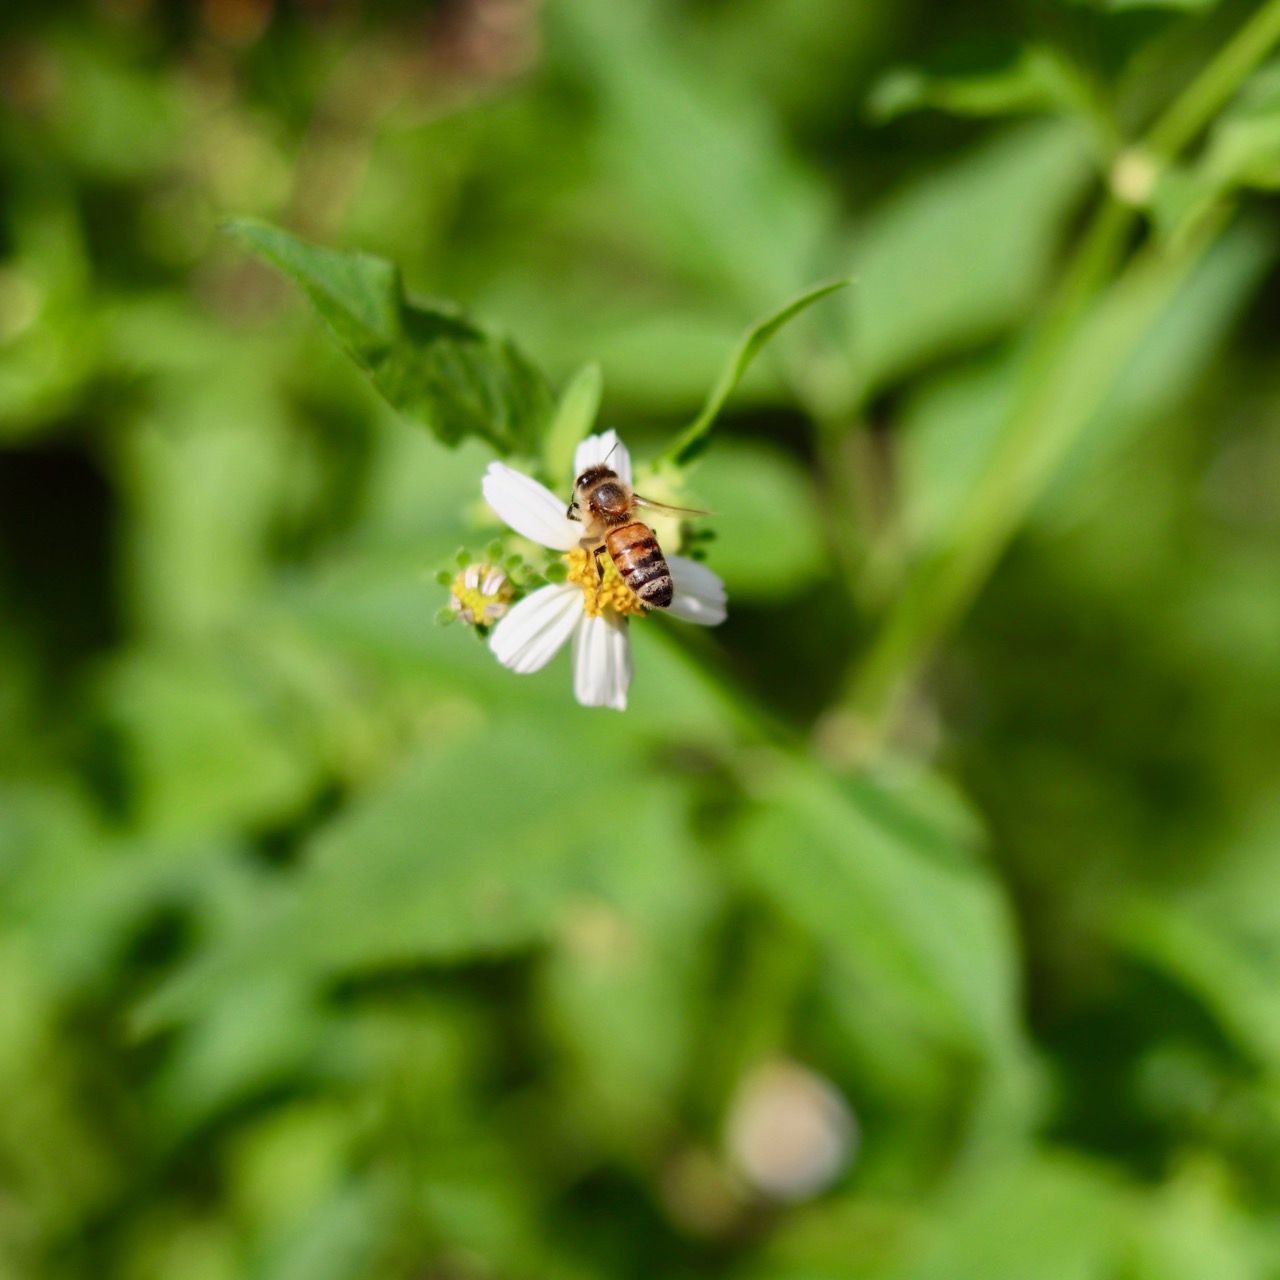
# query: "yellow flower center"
{"points": [[601, 589], [480, 594]]}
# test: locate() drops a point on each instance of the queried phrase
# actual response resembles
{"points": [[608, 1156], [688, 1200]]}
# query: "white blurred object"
{"points": [[790, 1133]]}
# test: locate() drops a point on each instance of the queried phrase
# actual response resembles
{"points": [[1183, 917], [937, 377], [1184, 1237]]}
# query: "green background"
{"points": [[329, 948]]}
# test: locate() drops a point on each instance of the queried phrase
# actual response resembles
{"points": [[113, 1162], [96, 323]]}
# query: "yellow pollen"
{"points": [[480, 594], [605, 590]]}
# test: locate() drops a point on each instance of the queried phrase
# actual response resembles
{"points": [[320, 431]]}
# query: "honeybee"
{"points": [[607, 505]]}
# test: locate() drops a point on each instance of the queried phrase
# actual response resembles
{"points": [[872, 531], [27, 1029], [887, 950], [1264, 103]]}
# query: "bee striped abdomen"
{"points": [[639, 559]]}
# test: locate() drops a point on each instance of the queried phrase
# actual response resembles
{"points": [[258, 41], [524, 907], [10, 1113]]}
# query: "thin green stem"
{"points": [[943, 585], [1205, 96]]}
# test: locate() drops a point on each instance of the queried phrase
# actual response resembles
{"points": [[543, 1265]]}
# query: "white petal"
{"points": [[694, 578], [535, 629], [606, 447], [602, 667], [533, 511], [699, 593]]}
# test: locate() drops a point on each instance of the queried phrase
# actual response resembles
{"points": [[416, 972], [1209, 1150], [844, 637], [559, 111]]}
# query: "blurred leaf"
{"points": [[886, 893], [1244, 144], [729, 201], [1044, 1215], [1035, 78], [1193, 1227], [120, 118], [471, 850], [619, 985], [431, 364], [339, 1239], [768, 540], [1224, 972], [51, 325], [200, 475], [931, 276], [1185, 6], [1220, 938], [951, 428], [694, 439], [247, 1041], [206, 741], [1052, 1218], [1242, 151], [661, 353], [1169, 359], [575, 415]]}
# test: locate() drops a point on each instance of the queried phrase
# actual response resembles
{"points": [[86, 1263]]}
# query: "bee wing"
{"points": [[654, 505]]}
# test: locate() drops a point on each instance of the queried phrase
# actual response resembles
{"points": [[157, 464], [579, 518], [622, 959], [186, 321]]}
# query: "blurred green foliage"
{"points": [[332, 949]]}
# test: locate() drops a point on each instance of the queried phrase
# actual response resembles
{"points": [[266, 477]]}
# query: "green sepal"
{"points": [[575, 415], [693, 440]]}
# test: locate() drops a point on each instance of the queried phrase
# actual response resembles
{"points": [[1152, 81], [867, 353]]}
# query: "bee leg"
{"points": [[599, 570]]}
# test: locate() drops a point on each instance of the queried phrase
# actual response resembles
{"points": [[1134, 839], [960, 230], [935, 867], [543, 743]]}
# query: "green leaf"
{"points": [[951, 429], [1047, 1216], [430, 363], [1233, 977], [693, 440], [1183, 6], [471, 850], [1244, 146], [1242, 151], [934, 278], [203, 743], [1193, 1227], [1032, 80], [574, 417], [768, 538], [701, 155], [893, 900], [1217, 939], [621, 983]]}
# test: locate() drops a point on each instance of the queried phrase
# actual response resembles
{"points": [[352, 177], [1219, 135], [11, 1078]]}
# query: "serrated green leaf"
{"points": [[428, 361], [693, 440]]}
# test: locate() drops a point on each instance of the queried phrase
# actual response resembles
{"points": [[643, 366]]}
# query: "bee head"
{"points": [[593, 475]]}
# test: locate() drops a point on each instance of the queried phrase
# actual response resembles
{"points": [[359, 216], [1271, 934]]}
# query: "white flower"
{"points": [[587, 609], [480, 594]]}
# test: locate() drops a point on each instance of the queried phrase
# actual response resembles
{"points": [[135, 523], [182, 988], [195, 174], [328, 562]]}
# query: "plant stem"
{"points": [[943, 585], [1201, 100]]}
